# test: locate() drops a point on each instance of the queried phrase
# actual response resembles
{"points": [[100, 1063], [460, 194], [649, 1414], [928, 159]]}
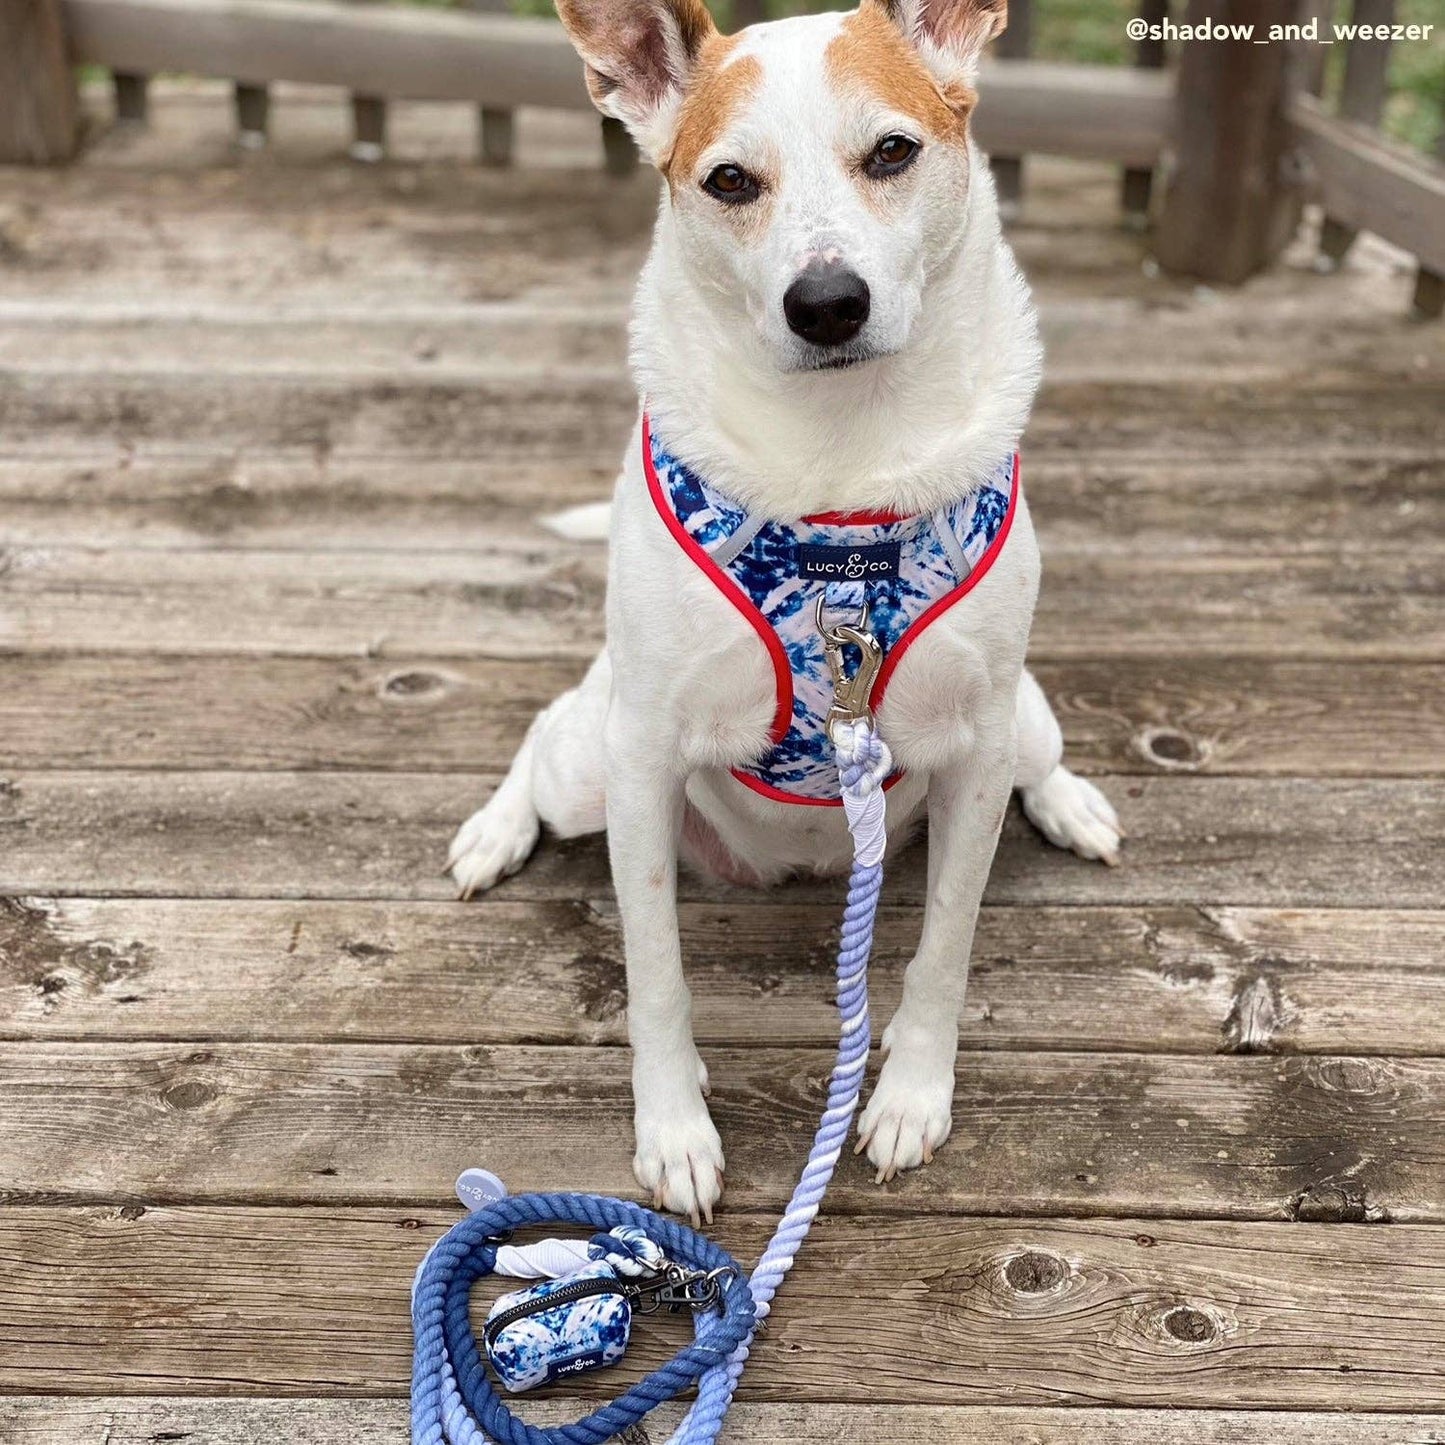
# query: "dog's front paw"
{"points": [[1072, 813], [494, 841], [679, 1157], [911, 1111]]}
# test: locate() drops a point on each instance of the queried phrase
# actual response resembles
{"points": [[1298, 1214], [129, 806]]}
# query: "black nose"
{"points": [[826, 304]]}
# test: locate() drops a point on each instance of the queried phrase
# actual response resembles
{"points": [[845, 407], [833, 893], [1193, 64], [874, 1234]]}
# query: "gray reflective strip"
{"points": [[949, 538], [729, 547]]}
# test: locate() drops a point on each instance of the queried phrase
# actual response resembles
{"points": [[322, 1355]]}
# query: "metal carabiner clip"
{"points": [[851, 694]]}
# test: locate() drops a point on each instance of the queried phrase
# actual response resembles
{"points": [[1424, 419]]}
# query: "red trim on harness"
{"points": [[855, 519], [931, 614], [782, 671]]}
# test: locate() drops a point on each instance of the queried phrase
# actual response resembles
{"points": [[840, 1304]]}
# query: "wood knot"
{"points": [[414, 683], [131, 1212], [360, 949], [1035, 1272], [190, 1095], [1189, 1325], [1343, 1201], [1170, 749], [1256, 1015], [1350, 1075]]}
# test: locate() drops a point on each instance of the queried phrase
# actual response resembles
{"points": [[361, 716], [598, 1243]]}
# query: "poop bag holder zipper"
{"points": [[583, 1320]]}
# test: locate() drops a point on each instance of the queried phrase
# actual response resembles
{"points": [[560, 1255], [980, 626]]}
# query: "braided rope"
{"points": [[452, 1399], [863, 763]]}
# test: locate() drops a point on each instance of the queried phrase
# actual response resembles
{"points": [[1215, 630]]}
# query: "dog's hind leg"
{"points": [[556, 778], [1067, 809]]}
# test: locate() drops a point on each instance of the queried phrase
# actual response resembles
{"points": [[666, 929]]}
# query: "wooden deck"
{"points": [[273, 610]]}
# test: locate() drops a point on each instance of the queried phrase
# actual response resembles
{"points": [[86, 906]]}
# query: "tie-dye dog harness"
{"points": [[905, 571]]}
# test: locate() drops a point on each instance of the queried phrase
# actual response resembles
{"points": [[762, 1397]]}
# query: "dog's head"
{"points": [[817, 167]]}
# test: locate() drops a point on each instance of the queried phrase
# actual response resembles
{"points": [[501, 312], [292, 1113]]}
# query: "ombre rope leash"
{"points": [[452, 1400]]}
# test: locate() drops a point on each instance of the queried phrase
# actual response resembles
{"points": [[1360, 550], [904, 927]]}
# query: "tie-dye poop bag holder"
{"points": [[582, 1320]]}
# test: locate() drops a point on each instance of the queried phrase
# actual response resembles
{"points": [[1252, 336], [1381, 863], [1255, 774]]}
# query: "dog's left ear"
{"points": [[639, 55], [949, 34]]}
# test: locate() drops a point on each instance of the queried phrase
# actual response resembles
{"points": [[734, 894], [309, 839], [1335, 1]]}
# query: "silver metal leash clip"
{"points": [[851, 694]]}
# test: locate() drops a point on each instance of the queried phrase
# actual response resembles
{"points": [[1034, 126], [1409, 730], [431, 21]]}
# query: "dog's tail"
{"points": [[590, 522]]}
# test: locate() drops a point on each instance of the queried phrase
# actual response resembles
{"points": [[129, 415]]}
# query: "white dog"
{"points": [[837, 355]]}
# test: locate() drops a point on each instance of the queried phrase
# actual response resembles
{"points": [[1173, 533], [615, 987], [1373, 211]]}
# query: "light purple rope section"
{"points": [[863, 763]]}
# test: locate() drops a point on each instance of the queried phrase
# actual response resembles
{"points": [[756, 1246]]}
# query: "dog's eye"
{"points": [[891, 155], [731, 184]]}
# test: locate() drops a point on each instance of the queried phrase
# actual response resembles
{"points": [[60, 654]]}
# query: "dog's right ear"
{"points": [[639, 55]]}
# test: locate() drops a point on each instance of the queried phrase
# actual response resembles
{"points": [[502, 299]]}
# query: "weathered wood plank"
{"points": [[138, 1420], [344, 242], [1086, 339], [503, 60], [525, 594], [81, 339], [1265, 842], [1167, 979], [573, 409], [1167, 1136], [1102, 502], [912, 1312], [1238, 716]]}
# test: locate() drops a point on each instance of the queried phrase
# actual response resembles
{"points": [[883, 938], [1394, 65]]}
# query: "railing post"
{"points": [[1316, 56], [132, 98], [1014, 44], [1362, 99], [368, 128], [496, 129], [1149, 54], [1429, 299], [1227, 207], [39, 106], [496, 136], [253, 115]]}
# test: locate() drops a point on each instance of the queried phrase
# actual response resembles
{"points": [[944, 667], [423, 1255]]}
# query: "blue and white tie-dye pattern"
{"points": [[799, 767], [574, 1335]]}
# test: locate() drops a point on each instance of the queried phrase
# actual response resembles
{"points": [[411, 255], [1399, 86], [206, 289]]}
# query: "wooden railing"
{"points": [[1239, 142], [1362, 181]]}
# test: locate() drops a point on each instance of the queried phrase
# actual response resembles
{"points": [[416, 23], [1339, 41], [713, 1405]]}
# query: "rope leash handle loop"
{"points": [[453, 1399]]}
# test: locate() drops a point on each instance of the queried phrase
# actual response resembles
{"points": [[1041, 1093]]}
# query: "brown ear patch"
{"points": [[719, 88], [870, 54]]}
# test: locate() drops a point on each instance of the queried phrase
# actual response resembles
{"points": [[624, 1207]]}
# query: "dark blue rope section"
{"points": [[452, 1398]]}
